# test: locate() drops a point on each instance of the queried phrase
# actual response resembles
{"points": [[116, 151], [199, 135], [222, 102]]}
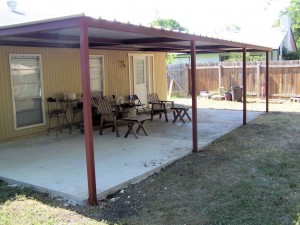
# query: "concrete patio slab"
{"points": [[58, 164]]}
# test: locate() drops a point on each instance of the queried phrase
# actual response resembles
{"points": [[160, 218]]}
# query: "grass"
{"points": [[22, 206], [249, 176]]}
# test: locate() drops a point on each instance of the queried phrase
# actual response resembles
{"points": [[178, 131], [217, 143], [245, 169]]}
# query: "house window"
{"points": [[140, 70], [26, 82], [96, 74]]}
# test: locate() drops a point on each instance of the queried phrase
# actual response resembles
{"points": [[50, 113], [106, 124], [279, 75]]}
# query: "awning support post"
{"points": [[194, 97], [244, 88], [267, 82], [87, 112]]}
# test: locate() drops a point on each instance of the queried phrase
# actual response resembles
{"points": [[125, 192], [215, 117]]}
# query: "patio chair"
{"points": [[77, 108], [55, 110], [107, 117], [159, 107], [139, 106]]}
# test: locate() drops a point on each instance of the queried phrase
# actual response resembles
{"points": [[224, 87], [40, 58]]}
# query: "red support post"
{"points": [[267, 82], [244, 88], [194, 97], [87, 113]]}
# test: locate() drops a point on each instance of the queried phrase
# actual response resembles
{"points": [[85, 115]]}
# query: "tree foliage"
{"points": [[291, 55], [294, 12], [238, 57], [233, 28], [168, 24]]}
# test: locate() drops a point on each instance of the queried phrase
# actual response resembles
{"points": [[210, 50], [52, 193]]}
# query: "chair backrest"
{"points": [[114, 99], [153, 97], [134, 98], [53, 106], [103, 106]]}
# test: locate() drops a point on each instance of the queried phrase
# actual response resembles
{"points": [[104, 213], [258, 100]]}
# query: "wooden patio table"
{"points": [[180, 112], [140, 120]]}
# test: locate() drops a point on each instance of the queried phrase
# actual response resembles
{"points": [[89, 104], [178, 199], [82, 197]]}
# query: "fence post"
{"points": [[170, 88], [186, 78], [258, 69], [220, 76]]}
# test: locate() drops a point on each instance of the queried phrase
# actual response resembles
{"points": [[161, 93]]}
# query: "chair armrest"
{"points": [[107, 114], [158, 103], [110, 115], [165, 101]]}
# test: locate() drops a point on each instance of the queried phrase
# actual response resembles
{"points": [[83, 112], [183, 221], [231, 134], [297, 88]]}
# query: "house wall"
{"points": [[61, 73], [289, 42], [274, 55], [201, 58]]}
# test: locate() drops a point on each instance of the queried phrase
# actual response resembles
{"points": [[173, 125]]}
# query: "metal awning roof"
{"points": [[103, 34]]}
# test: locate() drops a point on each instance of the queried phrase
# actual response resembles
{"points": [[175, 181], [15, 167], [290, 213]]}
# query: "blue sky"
{"points": [[199, 16]]}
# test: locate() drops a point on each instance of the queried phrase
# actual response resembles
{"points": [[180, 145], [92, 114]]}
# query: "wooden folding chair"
{"points": [[159, 107], [107, 117], [139, 106]]}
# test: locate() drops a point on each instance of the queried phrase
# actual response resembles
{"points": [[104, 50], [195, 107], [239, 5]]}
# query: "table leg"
{"points": [[141, 126], [175, 116], [178, 114], [65, 122], [130, 129], [185, 113]]}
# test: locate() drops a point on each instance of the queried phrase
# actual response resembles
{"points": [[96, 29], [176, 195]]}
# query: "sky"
{"points": [[206, 17]]}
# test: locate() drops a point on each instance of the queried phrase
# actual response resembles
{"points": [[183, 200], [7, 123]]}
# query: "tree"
{"points": [[238, 57], [291, 55], [169, 24], [294, 12], [233, 28]]}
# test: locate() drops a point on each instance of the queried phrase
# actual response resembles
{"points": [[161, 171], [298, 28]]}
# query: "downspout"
{"points": [[194, 97], [87, 112], [244, 89]]}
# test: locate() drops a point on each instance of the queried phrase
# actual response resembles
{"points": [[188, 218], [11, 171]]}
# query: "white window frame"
{"points": [[11, 56], [103, 73]]}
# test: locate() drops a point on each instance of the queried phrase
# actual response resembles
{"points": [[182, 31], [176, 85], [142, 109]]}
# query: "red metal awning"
{"points": [[87, 33]]}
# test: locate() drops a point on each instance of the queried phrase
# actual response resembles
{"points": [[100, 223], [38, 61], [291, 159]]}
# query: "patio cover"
{"points": [[80, 31]]}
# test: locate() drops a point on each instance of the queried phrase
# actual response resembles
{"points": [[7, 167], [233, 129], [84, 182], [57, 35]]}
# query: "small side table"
{"points": [[180, 112], [120, 113], [140, 120]]}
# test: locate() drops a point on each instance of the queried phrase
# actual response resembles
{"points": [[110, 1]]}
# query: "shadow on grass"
{"points": [[11, 192]]}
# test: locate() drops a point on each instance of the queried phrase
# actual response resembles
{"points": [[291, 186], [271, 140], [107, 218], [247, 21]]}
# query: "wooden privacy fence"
{"points": [[284, 77], [178, 82]]}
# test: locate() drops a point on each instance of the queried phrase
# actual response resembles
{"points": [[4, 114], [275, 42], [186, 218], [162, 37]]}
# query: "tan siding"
{"points": [[61, 73], [160, 75], [4, 96]]}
